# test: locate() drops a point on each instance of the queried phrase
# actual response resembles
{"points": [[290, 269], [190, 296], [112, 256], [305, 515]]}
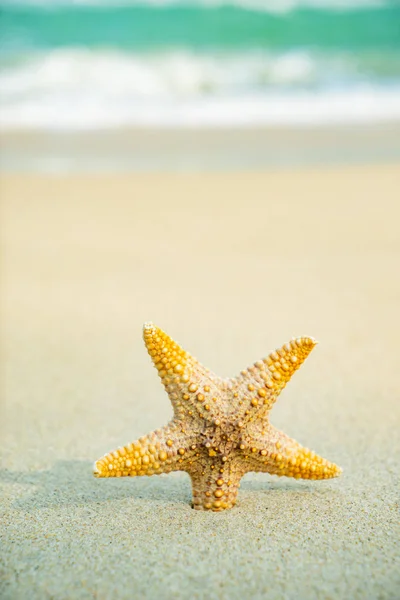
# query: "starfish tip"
{"points": [[307, 340], [96, 469]]}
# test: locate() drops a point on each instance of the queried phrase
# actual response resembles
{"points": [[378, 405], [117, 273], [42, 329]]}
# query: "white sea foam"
{"points": [[80, 89]]}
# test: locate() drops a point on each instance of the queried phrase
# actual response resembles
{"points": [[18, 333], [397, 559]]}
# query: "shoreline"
{"points": [[202, 149]]}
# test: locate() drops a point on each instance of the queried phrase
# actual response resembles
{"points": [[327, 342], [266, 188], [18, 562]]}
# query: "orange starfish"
{"points": [[220, 429]]}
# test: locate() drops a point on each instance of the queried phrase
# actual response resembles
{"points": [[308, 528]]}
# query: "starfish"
{"points": [[220, 429]]}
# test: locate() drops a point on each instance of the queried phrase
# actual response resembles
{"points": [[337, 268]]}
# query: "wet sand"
{"points": [[198, 149]]}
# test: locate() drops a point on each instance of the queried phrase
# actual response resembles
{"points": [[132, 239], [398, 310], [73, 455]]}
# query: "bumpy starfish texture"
{"points": [[220, 429]]}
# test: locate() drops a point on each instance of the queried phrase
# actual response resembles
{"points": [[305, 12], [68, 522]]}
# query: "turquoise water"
{"points": [[85, 64], [144, 28]]}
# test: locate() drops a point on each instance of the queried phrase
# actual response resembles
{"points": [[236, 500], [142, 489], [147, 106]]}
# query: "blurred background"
{"points": [[84, 83]]}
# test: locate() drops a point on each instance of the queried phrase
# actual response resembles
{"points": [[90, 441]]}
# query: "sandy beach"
{"points": [[231, 265]]}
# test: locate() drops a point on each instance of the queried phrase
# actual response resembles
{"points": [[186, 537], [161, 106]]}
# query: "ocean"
{"points": [[105, 64]]}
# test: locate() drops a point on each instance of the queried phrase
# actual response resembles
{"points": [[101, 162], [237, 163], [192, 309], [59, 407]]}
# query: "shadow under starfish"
{"points": [[220, 430], [67, 484]]}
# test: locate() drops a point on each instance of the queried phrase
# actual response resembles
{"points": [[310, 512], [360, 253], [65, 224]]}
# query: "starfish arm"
{"points": [[216, 483], [192, 389], [162, 451], [278, 454], [258, 387]]}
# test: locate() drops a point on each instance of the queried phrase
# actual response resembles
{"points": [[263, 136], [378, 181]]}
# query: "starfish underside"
{"points": [[220, 429]]}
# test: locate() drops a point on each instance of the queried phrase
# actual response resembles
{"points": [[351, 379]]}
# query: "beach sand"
{"points": [[231, 265]]}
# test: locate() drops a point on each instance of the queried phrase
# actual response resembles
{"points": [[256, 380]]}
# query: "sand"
{"points": [[231, 265]]}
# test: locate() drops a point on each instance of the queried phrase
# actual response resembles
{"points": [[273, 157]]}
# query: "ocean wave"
{"points": [[336, 108], [78, 89], [187, 73]]}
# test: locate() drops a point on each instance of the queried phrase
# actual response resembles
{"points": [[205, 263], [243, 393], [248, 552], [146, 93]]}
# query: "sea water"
{"points": [[90, 64]]}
